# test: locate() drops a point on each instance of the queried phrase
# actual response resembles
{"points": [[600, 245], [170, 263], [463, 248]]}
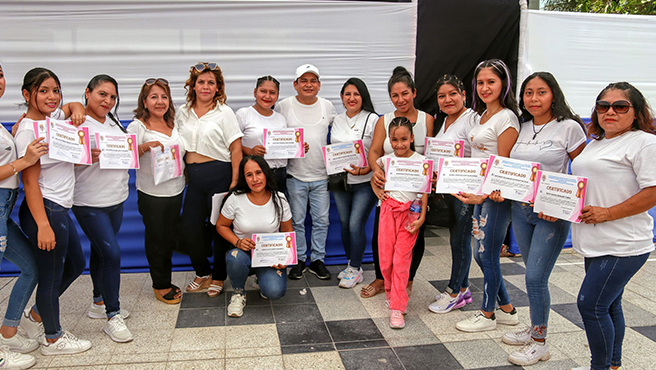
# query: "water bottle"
{"points": [[414, 212]]}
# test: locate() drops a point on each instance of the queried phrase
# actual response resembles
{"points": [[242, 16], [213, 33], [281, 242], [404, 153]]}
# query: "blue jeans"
{"points": [[57, 268], [460, 241], [489, 225], [600, 305], [15, 247], [101, 226], [354, 208], [316, 193], [540, 243], [273, 282]]}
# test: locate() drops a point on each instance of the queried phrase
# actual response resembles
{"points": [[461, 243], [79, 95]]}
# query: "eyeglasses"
{"points": [[152, 81], [200, 67], [620, 106]]}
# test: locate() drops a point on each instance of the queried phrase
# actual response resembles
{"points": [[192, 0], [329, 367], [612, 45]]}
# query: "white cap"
{"points": [[305, 68]]}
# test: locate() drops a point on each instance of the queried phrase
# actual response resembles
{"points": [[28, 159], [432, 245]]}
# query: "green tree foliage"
{"points": [[603, 6]]}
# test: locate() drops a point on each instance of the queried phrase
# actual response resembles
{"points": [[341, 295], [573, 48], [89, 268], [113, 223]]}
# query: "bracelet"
{"points": [[13, 168], [237, 243], [359, 169]]}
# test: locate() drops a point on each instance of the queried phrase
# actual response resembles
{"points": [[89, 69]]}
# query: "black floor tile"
{"points": [[314, 281], [296, 313], [430, 234], [335, 268], [506, 367], [647, 331], [570, 311], [508, 269], [303, 333], [201, 318], [253, 298], [440, 285], [362, 344], [477, 298], [301, 283], [427, 253], [202, 300], [368, 267], [288, 350], [353, 330], [517, 297], [432, 356], [292, 296], [253, 315], [371, 359]]}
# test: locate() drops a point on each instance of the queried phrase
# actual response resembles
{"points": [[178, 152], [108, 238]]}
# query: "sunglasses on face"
{"points": [[620, 106], [152, 81], [200, 67]]}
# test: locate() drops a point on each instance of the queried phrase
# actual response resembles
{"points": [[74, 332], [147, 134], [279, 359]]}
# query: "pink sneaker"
{"points": [[396, 320], [467, 296]]}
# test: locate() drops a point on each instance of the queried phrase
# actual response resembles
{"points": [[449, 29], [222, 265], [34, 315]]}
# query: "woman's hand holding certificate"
{"points": [[515, 179], [408, 174], [561, 196], [67, 143], [117, 151], [273, 250], [338, 157]]}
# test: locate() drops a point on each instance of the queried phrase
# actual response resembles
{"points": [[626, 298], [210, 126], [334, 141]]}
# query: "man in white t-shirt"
{"points": [[307, 181]]}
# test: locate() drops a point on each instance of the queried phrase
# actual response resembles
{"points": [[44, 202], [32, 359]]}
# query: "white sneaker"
{"points": [[343, 272], [65, 345], [445, 303], [98, 312], [117, 330], [517, 338], [33, 329], [19, 343], [507, 318], [14, 360], [237, 304], [532, 353], [582, 368], [351, 277], [477, 323]]}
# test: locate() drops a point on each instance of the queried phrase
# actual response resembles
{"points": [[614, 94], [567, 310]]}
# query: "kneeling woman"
{"points": [[254, 205]]}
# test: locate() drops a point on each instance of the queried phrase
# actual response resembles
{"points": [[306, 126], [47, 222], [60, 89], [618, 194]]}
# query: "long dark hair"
{"points": [[559, 107], [644, 116], [507, 97], [95, 82], [243, 188], [398, 122], [34, 78], [367, 104]]}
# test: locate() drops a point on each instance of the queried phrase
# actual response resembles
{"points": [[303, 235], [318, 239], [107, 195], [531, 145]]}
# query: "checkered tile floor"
{"points": [[333, 328]]}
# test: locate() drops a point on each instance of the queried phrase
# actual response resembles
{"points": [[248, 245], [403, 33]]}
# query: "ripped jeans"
{"points": [[273, 282], [540, 242], [489, 225]]}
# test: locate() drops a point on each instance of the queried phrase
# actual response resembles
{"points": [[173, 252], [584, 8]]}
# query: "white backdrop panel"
{"points": [[135, 40], [586, 52]]}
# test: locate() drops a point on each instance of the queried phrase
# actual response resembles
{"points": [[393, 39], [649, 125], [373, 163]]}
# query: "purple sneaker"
{"points": [[467, 296], [445, 303]]}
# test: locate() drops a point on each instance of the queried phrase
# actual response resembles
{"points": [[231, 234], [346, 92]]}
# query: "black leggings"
{"points": [[417, 250]]}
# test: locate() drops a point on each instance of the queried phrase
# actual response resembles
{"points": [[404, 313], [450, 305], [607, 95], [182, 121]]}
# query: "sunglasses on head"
{"points": [[152, 81], [200, 67], [620, 106]]}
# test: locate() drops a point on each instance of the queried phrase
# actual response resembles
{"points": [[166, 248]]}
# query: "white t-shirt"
{"points": [[248, 218], [252, 124], [459, 129], [145, 180], [616, 169], [484, 138], [211, 134], [360, 127], [56, 180], [315, 120], [551, 146], [418, 130], [7, 154], [95, 187], [401, 196]]}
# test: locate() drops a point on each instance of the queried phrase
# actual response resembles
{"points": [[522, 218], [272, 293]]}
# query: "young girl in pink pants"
{"points": [[395, 242]]}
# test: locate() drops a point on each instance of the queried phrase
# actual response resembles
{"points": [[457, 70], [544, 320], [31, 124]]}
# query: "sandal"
{"points": [[214, 290], [194, 286], [369, 291], [168, 298]]}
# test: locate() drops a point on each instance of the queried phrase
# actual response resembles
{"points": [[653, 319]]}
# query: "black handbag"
{"points": [[339, 181], [440, 211]]}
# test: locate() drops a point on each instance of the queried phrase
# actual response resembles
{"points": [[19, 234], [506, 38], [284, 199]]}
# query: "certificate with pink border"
{"points": [[438, 148], [515, 178], [68, 143], [281, 143], [339, 156], [456, 175], [413, 175], [274, 249], [559, 195], [166, 163], [41, 130], [117, 151]]}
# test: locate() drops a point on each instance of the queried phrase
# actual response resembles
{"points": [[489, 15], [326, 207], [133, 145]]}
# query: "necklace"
{"points": [[535, 133], [354, 119], [487, 115]]}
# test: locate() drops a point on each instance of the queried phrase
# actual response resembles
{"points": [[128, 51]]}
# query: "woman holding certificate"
{"points": [[159, 204], [253, 120], [402, 92], [212, 137], [496, 134], [98, 208], [459, 121], [44, 216], [355, 203], [616, 233], [253, 206]]}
